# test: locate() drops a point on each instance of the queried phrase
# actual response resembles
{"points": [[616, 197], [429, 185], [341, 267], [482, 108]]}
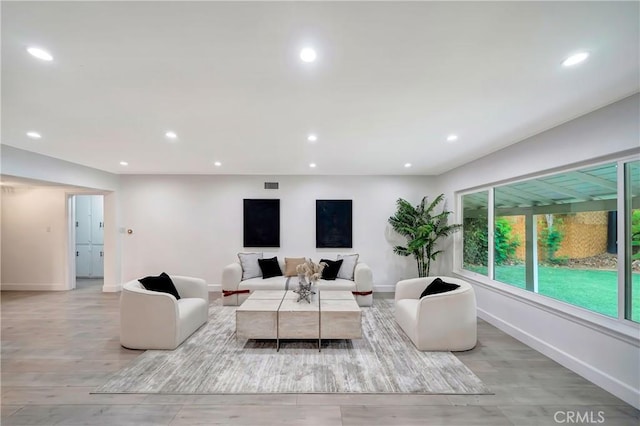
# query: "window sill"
{"points": [[624, 330]]}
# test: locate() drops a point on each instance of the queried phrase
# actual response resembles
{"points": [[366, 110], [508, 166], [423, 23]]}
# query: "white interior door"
{"points": [[83, 260], [89, 214], [97, 219], [97, 261], [83, 219]]}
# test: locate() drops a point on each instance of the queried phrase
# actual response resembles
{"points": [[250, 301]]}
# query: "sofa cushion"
{"points": [[161, 283], [337, 284], [270, 267], [438, 286], [273, 283], [330, 271], [290, 265], [250, 266], [348, 266]]}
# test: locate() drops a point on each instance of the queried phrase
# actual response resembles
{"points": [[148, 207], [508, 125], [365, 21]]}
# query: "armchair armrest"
{"points": [[147, 316], [189, 287], [411, 288]]}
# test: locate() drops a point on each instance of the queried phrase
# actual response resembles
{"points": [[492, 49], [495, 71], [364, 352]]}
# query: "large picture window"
{"points": [[508, 248], [632, 263], [557, 236], [475, 228]]}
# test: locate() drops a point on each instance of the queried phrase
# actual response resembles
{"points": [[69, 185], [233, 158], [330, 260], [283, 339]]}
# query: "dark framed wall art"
{"points": [[334, 224], [261, 223]]}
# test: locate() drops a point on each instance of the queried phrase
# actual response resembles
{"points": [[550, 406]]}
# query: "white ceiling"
{"points": [[392, 80]]}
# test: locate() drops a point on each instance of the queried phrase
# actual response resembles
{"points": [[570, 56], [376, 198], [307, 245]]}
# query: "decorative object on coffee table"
{"points": [[310, 270], [304, 291]]}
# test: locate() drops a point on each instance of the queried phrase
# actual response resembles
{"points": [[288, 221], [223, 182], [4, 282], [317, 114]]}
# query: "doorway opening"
{"points": [[88, 226]]}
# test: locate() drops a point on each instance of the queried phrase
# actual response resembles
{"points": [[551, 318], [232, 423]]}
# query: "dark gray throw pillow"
{"points": [[161, 283], [438, 286], [330, 272], [270, 267]]}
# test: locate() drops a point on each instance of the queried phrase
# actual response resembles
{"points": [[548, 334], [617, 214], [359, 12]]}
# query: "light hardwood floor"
{"points": [[58, 346]]}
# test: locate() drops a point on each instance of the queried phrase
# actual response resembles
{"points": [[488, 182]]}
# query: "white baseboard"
{"points": [[33, 287], [623, 391], [215, 287], [114, 288]]}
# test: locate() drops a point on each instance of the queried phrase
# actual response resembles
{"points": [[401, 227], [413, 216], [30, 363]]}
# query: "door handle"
{"points": [[76, 223], [101, 224], [77, 253], [101, 253]]}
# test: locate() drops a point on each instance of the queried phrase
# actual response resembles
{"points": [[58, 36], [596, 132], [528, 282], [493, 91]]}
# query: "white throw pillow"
{"points": [[348, 266], [250, 266]]}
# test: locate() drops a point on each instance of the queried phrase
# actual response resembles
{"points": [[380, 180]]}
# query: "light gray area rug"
{"points": [[213, 361]]}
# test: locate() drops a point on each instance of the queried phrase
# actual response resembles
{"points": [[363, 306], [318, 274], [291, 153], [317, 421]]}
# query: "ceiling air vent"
{"points": [[271, 185]]}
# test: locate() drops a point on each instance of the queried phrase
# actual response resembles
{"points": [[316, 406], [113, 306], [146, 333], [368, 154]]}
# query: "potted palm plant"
{"points": [[422, 228]]}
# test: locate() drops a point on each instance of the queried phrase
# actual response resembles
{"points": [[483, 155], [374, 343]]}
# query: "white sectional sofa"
{"points": [[235, 290]]}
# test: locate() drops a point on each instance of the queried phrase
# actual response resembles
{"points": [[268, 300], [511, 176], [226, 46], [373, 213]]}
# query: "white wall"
{"points": [[192, 225], [34, 235], [21, 163], [25, 164], [577, 344], [113, 235]]}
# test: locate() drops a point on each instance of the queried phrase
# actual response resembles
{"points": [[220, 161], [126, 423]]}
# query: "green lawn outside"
{"points": [[594, 289]]}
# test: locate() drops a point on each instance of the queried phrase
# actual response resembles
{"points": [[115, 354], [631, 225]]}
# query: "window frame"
{"points": [[625, 272], [619, 327]]}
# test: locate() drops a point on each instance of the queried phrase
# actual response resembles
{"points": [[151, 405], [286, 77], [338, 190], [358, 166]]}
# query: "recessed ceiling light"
{"points": [[34, 135], [171, 135], [308, 54], [312, 138], [312, 165], [575, 59], [452, 138], [217, 164], [407, 165], [124, 163], [40, 53]]}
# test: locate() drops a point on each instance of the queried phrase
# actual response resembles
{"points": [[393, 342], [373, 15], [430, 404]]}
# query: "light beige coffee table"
{"points": [[257, 317], [275, 314], [340, 316], [299, 320]]}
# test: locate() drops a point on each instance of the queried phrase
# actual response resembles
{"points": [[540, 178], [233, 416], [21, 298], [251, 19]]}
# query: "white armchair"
{"points": [[156, 320], [437, 322]]}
